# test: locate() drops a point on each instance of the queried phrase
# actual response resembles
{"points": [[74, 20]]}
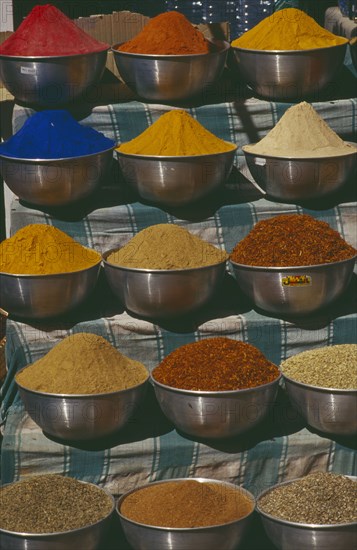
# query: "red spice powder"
{"points": [[48, 31], [215, 364], [169, 33], [291, 240]]}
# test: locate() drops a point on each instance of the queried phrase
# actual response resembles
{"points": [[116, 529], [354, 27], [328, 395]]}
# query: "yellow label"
{"points": [[296, 280]]}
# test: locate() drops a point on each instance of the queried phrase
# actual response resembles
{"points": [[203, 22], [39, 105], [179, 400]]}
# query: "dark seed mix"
{"points": [[320, 498], [51, 503]]}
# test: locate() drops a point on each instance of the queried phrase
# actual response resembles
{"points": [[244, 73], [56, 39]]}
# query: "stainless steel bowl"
{"points": [[161, 293], [82, 416], [89, 537], [51, 80], [216, 415], [55, 182], [291, 179], [175, 181], [289, 535], [294, 290], [223, 537], [42, 296], [288, 74], [329, 410], [170, 77]]}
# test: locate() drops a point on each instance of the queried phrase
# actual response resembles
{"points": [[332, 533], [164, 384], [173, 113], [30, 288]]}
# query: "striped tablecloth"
{"points": [[149, 449]]}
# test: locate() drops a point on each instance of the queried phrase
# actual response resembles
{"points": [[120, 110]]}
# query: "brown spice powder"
{"points": [[186, 504], [215, 364]]}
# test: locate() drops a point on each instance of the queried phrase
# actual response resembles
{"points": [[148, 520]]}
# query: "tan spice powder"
{"points": [[186, 504], [83, 363], [166, 246], [321, 498], [51, 503]]}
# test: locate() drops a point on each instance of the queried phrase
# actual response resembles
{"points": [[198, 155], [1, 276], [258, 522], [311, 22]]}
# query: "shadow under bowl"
{"points": [[44, 296], [215, 414], [48, 81], [89, 537], [292, 179], [81, 417], [288, 74], [176, 180], [225, 536], [289, 535], [163, 293], [296, 291], [329, 410], [171, 77], [55, 182]]}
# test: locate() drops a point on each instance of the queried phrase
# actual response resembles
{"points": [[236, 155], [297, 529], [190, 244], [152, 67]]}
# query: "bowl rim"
{"points": [[186, 529], [156, 271], [82, 396], [289, 52], [214, 393], [177, 158], [321, 389], [59, 274], [71, 531], [225, 47], [49, 57], [291, 268], [298, 159], [295, 523], [62, 160]]}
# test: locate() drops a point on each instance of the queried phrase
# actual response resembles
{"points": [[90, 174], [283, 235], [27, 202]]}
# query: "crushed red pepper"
{"points": [[291, 240], [215, 364]]}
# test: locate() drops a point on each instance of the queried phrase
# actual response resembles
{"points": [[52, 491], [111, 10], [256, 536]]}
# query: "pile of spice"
{"points": [[319, 498], [288, 29], [40, 249], [301, 133], [166, 246], [54, 135], [169, 33], [186, 504], [176, 133], [51, 503], [83, 363], [327, 367], [46, 31], [291, 240], [215, 364]]}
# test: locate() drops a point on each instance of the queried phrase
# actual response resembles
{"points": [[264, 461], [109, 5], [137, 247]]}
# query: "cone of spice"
{"points": [[46, 31]]}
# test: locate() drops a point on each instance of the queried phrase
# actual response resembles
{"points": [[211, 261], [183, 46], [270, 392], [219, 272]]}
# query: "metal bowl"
{"points": [[215, 414], [82, 416], [175, 181], [329, 410], [291, 179], [296, 291], [288, 74], [51, 80], [147, 537], [88, 537], [163, 293], [289, 535], [42, 296], [55, 182], [170, 77]]}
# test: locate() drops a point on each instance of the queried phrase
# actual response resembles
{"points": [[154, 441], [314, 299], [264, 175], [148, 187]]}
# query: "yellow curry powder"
{"points": [[176, 133], [82, 363], [40, 249], [166, 246], [288, 29]]}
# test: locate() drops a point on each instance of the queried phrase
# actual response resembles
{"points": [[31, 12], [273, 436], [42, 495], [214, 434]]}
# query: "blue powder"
{"points": [[53, 135]]}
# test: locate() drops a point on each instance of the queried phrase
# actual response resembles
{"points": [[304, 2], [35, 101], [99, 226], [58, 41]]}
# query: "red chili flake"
{"points": [[215, 364]]}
